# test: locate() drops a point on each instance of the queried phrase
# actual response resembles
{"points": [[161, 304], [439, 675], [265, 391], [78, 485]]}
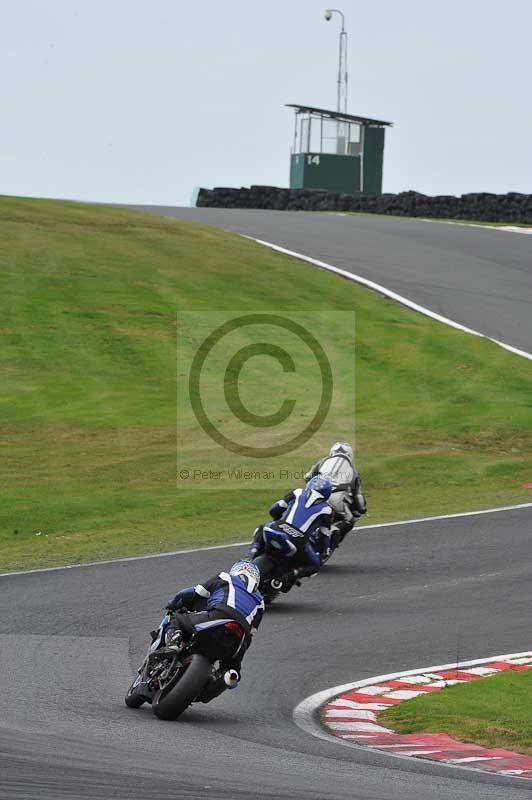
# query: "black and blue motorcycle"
{"points": [[177, 673], [297, 543]]}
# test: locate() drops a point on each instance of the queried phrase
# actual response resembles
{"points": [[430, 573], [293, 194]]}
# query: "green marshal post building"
{"points": [[337, 152]]}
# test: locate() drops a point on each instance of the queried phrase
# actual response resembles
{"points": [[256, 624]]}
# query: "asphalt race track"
{"points": [[392, 598], [479, 277]]}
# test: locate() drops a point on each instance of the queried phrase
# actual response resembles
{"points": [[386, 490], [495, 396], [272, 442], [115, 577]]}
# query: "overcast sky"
{"points": [[130, 101]]}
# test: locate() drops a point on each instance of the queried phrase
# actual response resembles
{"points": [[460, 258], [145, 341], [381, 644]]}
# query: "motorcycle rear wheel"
{"points": [[169, 702]]}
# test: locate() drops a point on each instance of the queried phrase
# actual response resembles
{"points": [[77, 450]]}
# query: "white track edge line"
{"points": [[243, 544], [446, 516], [123, 560], [304, 714], [503, 228], [388, 293]]}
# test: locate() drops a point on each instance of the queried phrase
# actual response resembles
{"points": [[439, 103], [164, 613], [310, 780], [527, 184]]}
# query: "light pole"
{"points": [[341, 103]]}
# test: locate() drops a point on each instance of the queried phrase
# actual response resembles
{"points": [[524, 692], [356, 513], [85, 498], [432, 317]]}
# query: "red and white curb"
{"points": [[349, 714]]}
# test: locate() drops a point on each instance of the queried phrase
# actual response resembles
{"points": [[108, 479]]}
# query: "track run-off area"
{"points": [[393, 598]]}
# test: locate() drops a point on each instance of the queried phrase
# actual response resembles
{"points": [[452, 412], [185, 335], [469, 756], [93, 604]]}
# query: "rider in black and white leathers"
{"points": [[346, 500]]}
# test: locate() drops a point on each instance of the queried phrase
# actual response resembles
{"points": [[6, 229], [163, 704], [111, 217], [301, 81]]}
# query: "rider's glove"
{"points": [[174, 604]]}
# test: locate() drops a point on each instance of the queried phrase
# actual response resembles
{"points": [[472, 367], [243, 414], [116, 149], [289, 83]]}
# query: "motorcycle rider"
{"points": [[346, 500], [227, 597], [301, 513]]}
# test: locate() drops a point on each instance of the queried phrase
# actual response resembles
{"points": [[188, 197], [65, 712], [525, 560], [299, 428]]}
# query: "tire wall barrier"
{"points": [[483, 207]]}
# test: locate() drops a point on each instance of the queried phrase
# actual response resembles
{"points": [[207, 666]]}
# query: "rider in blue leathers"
{"points": [[301, 525], [227, 597], [228, 605]]}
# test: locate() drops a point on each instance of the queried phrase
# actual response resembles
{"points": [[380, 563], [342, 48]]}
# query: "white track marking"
{"points": [[446, 516], [505, 228], [509, 228], [122, 560], [471, 759], [481, 671], [404, 694], [417, 752], [243, 544], [349, 713], [348, 706], [369, 727], [377, 287], [416, 679]]}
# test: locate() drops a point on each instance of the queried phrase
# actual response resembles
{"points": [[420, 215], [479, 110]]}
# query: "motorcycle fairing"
{"points": [[279, 540]]}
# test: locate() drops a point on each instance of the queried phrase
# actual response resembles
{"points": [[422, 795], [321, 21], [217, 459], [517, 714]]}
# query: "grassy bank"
{"points": [[88, 407], [493, 712]]}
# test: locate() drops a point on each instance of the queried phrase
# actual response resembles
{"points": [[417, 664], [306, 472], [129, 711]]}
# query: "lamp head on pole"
{"points": [[328, 14]]}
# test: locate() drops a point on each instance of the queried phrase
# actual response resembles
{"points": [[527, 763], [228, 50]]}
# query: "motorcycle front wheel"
{"points": [[170, 701], [133, 699]]}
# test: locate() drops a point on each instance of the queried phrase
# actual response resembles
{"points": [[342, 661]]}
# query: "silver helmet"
{"points": [[342, 449]]}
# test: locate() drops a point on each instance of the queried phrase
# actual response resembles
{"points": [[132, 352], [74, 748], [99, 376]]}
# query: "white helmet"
{"points": [[342, 449], [248, 572]]}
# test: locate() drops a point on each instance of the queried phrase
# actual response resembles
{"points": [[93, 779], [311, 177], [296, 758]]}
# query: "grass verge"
{"points": [[88, 296], [493, 712]]}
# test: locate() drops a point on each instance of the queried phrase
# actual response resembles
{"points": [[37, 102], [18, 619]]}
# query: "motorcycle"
{"points": [[177, 673], [282, 544]]}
